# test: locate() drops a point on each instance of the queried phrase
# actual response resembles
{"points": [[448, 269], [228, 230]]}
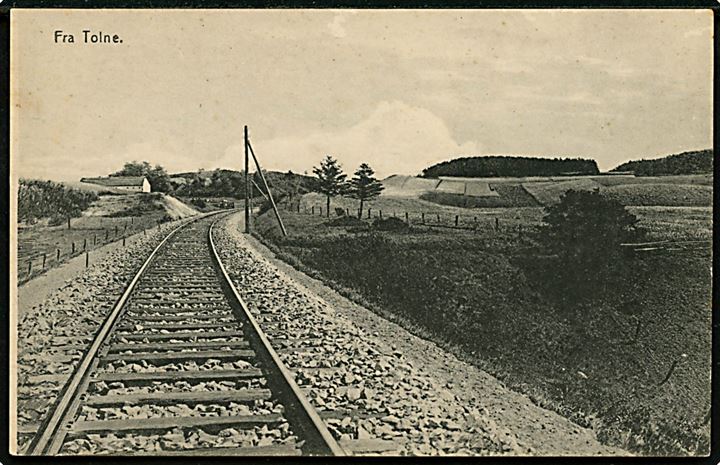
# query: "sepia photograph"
{"points": [[361, 232]]}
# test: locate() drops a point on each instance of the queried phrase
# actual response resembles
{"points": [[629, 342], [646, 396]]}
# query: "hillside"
{"points": [[484, 294], [500, 165], [231, 183], [695, 162]]}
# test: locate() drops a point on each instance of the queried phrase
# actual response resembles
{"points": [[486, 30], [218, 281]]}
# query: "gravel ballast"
{"points": [[52, 335], [371, 379]]}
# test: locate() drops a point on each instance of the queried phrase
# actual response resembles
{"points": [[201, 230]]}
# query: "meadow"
{"points": [[109, 218], [636, 364]]}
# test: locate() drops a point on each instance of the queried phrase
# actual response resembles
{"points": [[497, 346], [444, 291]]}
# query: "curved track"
{"points": [[180, 367]]}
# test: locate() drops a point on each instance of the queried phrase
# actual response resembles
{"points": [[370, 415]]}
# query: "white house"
{"points": [[123, 183]]}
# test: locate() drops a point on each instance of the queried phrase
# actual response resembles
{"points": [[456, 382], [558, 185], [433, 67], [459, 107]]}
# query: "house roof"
{"points": [[116, 181]]}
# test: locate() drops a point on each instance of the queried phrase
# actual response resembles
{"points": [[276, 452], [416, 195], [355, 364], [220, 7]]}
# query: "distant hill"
{"points": [[511, 166], [695, 162]]}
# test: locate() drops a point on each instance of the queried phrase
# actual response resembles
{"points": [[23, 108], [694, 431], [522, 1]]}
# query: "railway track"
{"points": [[181, 367]]}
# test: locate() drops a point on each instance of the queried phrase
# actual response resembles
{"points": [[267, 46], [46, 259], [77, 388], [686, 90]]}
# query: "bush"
{"points": [[198, 202], [346, 221], [340, 211], [390, 224], [47, 199], [147, 203], [584, 233], [265, 206]]}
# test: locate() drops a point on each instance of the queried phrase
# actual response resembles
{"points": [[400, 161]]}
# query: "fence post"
{"points": [[94, 239], [106, 235], [380, 214], [125, 227], [44, 260], [85, 244], [298, 208], [320, 211], [132, 220], [422, 217], [456, 220], [438, 217], [87, 259], [69, 227], [347, 211], [123, 241], [73, 248], [369, 212], [58, 255], [116, 230], [29, 267], [313, 210], [144, 232], [407, 220], [497, 224]]}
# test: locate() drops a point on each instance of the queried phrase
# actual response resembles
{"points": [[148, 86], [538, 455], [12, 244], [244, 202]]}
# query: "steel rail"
{"points": [[319, 440], [45, 438]]}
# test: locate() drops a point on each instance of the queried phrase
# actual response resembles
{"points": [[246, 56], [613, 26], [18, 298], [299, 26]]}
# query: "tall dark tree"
{"points": [[364, 186], [331, 179], [585, 232]]}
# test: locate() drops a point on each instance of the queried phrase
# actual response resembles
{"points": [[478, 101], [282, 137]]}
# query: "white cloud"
{"points": [[395, 138]]}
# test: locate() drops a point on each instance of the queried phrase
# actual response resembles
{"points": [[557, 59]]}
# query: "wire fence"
{"points": [[82, 241]]}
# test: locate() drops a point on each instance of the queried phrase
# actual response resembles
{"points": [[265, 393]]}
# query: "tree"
{"points": [[134, 168], [159, 179], [584, 231], [331, 179], [157, 176], [364, 186]]}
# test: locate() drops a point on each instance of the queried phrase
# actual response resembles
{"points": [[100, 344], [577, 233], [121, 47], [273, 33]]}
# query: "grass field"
{"points": [[477, 293], [686, 190], [108, 219]]}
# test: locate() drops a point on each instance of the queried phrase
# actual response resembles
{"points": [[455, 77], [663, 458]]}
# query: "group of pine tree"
{"points": [[333, 182]]}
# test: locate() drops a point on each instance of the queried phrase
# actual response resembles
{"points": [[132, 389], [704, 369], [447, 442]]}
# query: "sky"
{"points": [[399, 89]]}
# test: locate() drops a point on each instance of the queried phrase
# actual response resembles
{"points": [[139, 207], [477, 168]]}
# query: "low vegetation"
{"points": [[606, 347], [46, 199], [661, 194], [509, 195], [143, 205]]}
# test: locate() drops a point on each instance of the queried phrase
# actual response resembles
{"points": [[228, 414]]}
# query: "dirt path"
{"points": [[535, 430]]}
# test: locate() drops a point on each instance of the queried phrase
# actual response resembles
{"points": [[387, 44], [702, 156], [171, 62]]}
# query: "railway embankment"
{"points": [[374, 380]]}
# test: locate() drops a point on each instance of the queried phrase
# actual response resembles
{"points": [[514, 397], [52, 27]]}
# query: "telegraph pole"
{"points": [[247, 185]]}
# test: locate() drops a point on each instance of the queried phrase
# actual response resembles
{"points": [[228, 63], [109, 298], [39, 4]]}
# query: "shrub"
{"points": [[339, 211], [584, 233], [346, 221], [390, 224], [47, 199], [198, 202]]}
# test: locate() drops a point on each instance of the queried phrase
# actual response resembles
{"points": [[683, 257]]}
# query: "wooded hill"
{"points": [[230, 183], [694, 162], [499, 166]]}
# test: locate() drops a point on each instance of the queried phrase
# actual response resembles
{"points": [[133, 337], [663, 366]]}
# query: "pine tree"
{"points": [[364, 186], [332, 180]]}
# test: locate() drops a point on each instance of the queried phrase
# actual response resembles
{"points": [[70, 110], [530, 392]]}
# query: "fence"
{"points": [[39, 262], [427, 219], [497, 226]]}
